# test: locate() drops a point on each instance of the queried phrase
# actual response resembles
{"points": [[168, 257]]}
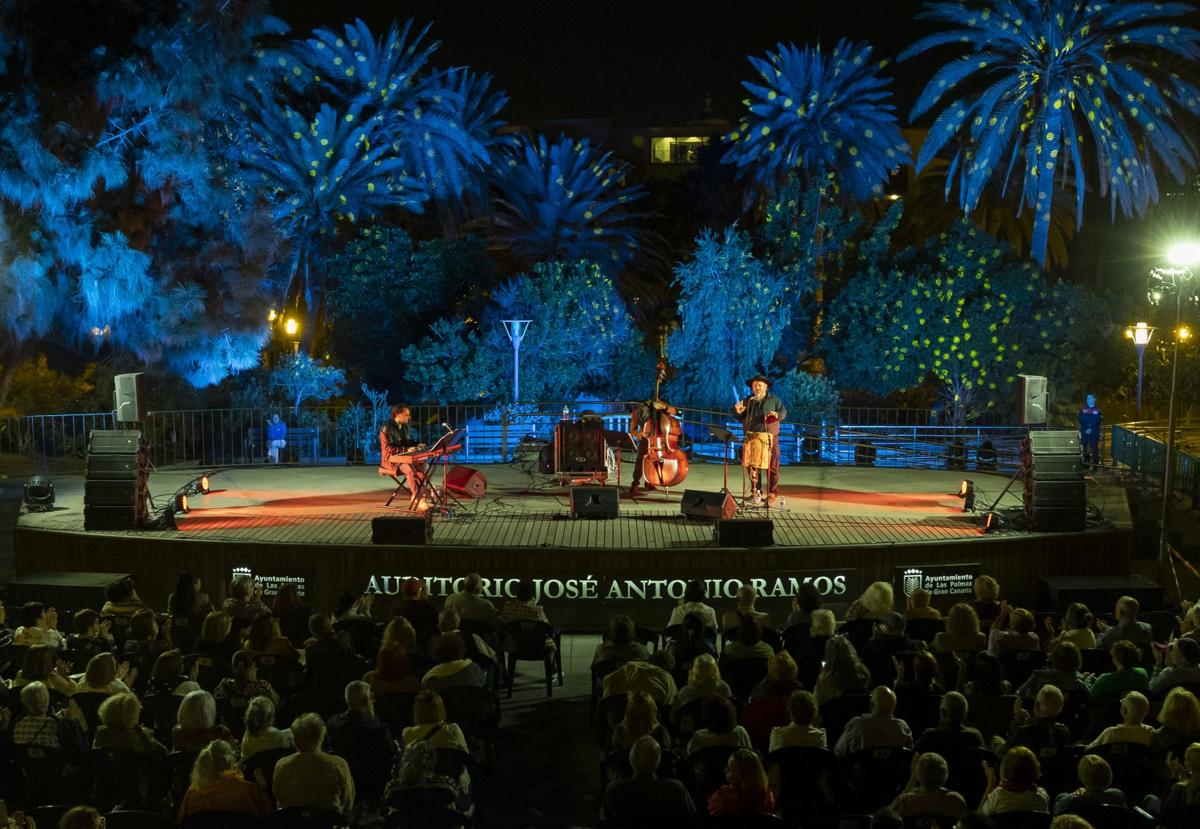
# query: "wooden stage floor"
{"points": [[820, 507]]}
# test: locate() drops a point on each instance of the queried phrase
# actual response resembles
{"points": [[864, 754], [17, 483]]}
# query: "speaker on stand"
{"points": [[1055, 489], [115, 491]]}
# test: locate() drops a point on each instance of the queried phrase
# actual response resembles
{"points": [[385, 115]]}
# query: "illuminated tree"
{"points": [[1048, 88], [301, 378]]}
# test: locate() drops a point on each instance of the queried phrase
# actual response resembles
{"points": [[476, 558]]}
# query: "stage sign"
{"points": [[831, 584], [271, 579], [950, 581]]}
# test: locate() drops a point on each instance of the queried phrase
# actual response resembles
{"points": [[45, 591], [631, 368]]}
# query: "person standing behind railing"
{"points": [[276, 437]]}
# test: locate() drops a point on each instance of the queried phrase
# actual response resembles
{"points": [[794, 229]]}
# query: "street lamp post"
{"points": [[515, 329], [1140, 334], [291, 327]]}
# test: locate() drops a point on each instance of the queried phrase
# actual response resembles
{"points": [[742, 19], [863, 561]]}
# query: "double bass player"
{"points": [[639, 419], [761, 413]]}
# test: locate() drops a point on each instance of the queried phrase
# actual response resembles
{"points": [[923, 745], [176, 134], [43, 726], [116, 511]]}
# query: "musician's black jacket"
{"points": [[398, 436]]}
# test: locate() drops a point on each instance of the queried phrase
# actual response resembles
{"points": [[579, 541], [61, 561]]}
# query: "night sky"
{"points": [[640, 62]]}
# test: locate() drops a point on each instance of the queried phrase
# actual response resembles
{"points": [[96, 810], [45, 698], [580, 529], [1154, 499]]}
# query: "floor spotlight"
{"points": [[203, 484], [39, 494], [181, 503], [991, 523], [966, 491]]}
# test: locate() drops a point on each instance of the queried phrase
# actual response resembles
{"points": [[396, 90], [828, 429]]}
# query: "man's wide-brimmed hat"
{"points": [[758, 378]]}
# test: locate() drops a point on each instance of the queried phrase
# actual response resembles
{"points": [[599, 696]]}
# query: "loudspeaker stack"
{"points": [[115, 491], [1055, 491], [579, 446]]}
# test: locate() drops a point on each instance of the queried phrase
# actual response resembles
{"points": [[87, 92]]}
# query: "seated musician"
{"points": [[397, 446]]}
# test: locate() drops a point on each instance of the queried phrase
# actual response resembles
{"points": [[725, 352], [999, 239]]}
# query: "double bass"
{"points": [[665, 464]]}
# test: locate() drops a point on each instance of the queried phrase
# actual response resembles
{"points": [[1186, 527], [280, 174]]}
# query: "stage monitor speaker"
{"points": [[128, 394], [402, 529], [745, 532], [466, 482], [712, 505], [114, 442], [115, 467], [594, 502], [110, 493], [109, 517], [1033, 399], [579, 446]]}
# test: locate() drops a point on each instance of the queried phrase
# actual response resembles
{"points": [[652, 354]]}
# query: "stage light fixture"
{"points": [[203, 484], [991, 523], [966, 491], [181, 503], [39, 494]]}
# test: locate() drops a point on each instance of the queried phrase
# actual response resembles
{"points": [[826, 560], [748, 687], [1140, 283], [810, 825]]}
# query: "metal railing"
{"points": [[1141, 447], [493, 433]]}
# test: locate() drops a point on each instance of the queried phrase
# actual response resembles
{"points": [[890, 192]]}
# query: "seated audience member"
{"points": [[522, 606], [720, 726], [652, 675], [875, 602], [780, 679], [452, 667], [104, 676], [167, 676], [877, 729], [218, 786], [470, 603], [1181, 806], [417, 771], [415, 605], [264, 638], [1128, 676], [1018, 789], [987, 678], [1179, 721], [1134, 708], [146, 638], [1096, 776], [216, 636], [887, 640], [951, 735], [962, 631], [746, 596], [1127, 628], [703, 680], [645, 799], [429, 716], [394, 664], [1189, 622], [749, 643], [291, 612], [245, 598], [122, 599], [310, 777], [1042, 730], [91, 634], [261, 733], [325, 646], [987, 599], [196, 723], [1175, 664], [40, 728], [351, 605], [746, 791], [361, 739], [800, 732], [41, 664], [918, 607], [918, 688], [693, 602], [821, 627], [120, 728], [1062, 671], [1076, 628], [693, 642], [39, 626], [806, 600], [1012, 630], [620, 643], [640, 720], [78, 817], [189, 598], [843, 672], [473, 644], [927, 793], [244, 684]]}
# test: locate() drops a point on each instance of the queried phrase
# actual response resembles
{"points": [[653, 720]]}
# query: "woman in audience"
{"points": [[393, 672], [146, 639], [821, 626], [292, 614], [431, 729], [1175, 664], [1181, 806], [720, 727], [806, 600], [78, 817], [704, 679], [326, 647], [693, 602], [962, 631], [216, 637], [261, 733], [800, 732], [120, 728], [244, 684], [91, 635], [416, 771], [692, 643], [1179, 721], [40, 728], [987, 599], [843, 672], [122, 599], [218, 785], [1076, 628], [1062, 671], [780, 679], [522, 606], [620, 643], [1134, 708], [39, 626], [875, 602], [452, 668], [168, 677], [987, 678], [1012, 631], [918, 606], [950, 736], [1018, 790], [196, 724], [245, 598], [927, 793], [264, 638], [641, 718], [104, 676], [917, 694], [1128, 676], [1096, 776], [189, 599], [41, 664], [746, 791], [1189, 623], [749, 643]]}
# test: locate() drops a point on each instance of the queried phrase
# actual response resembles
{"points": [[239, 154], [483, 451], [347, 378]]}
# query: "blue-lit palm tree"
{"points": [[564, 200], [1047, 88]]}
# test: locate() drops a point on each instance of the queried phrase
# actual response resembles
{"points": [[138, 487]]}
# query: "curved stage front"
{"points": [[837, 527]]}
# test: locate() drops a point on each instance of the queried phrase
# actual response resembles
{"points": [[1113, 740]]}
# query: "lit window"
{"points": [[675, 149]]}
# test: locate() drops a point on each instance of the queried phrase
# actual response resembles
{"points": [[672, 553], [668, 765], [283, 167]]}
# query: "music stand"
{"points": [[445, 446], [622, 442], [726, 437]]}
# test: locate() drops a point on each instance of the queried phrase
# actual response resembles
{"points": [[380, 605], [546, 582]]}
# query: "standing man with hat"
{"points": [[761, 414]]}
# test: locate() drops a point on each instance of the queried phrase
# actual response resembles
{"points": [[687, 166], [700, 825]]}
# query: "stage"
{"points": [[840, 527]]}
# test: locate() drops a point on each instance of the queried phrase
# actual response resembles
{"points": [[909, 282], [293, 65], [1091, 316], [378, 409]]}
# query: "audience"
{"points": [[452, 667], [918, 607], [431, 728], [39, 626], [1182, 665], [122, 599], [218, 786], [351, 605], [962, 631], [1181, 806], [91, 634], [1128, 676], [393, 672], [1012, 630], [720, 727], [1042, 730], [197, 723], [878, 729], [693, 602], [927, 793], [780, 679], [216, 636], [1179, 721], [326, 646], [951, 735], [646, 799], [1127, 628], [264, 638], [875, 602], [104, 676], [652, 675], [1096, 776], [800, 732], [167, 676], [41, 664], [522, 606], [245, 598], [746, 791], [417, 774], [1018, 789], [244, 684], [843, 673], [640, 720], [260, 733], [40, 728], [78, 817], [189, 599], [146, 638], [1076, 628], [704, 680], [749, 643], [694, 642], [746, 596], [620, 643], [806, 600], [362, 740], [120, 728], [310, 777], [1134, 708], [1062, 671], [987, 600], [415, 605], [469, 602]]}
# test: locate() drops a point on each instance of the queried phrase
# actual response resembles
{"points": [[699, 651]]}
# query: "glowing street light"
{"points": [[291, 327], [1140, 334]]}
